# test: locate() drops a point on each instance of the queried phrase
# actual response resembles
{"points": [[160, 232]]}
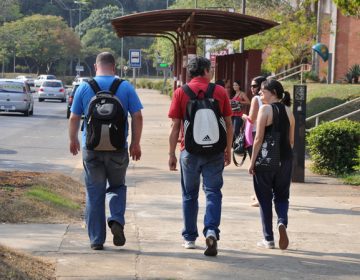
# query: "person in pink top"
{"points": [[239, 101]]}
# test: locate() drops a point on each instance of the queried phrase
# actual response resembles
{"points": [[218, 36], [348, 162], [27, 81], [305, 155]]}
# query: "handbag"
{"points": [[235, 106], [268, 158], [248, 133], [239, 148]]}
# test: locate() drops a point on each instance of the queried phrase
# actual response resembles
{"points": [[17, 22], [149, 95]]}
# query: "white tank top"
{"points": [[257, 97]]}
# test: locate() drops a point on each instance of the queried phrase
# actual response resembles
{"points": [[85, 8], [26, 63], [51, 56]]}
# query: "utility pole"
{"points": [[318, 35], [122, 43], [242, 41]]}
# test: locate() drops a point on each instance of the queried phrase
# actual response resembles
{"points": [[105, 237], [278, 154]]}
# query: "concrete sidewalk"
{"points": [[324, 226]]}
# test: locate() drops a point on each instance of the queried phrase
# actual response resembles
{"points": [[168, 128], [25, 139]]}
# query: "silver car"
{"points": [[52, 89], [15, 96]]}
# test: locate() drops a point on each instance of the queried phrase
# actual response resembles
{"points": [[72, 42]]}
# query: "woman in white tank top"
{"points": [[255, 105]]}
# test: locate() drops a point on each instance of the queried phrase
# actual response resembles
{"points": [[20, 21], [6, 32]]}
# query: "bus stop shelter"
{"points": [[184, 26]]}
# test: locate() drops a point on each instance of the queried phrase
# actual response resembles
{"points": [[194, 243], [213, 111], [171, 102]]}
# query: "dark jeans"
{"points": [[269, 186]]}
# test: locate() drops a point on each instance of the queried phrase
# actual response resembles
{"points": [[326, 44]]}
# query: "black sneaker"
{"points": [[118, 231], [211, 246], [283, 240], [97, 246]]}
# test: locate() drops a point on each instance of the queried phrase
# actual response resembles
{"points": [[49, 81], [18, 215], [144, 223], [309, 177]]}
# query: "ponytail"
{"points": [[286, 100], [276, 88]]}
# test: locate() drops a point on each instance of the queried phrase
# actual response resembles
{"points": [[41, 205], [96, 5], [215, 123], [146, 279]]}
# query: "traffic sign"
{"points": [[79, 68], [135, 58]]}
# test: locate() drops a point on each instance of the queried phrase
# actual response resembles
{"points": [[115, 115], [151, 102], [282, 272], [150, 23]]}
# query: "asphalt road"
{"points": [[39, 142]]}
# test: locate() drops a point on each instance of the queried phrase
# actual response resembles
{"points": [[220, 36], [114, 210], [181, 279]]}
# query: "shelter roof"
{"points": [[202, 23]]}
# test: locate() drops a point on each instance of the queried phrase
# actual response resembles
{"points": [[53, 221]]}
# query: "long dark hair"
{"points": [[233, 92], [258, 81], [277, 89]]}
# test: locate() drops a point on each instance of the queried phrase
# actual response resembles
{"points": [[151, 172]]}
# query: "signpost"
{"points": [[134, 62], [79, 68], [299, 145], [135, 58]]}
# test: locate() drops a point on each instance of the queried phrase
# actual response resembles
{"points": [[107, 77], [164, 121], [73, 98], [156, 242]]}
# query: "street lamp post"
{"points": [[79, 3], [122, 42]]}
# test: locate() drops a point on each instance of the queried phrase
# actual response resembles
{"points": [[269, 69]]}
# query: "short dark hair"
{"points": [[105, 58], [197, 65], [220, 83]]}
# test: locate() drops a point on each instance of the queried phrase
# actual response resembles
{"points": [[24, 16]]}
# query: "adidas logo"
{"points": [[207, 138]]}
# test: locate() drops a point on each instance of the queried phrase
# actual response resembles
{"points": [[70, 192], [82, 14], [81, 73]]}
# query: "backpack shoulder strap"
{"points": [[115, 85], [189, 92], [94, 85], [210, 90]]}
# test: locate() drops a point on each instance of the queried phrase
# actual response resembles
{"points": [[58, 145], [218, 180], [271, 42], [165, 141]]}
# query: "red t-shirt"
{"points": [[180, 100]]}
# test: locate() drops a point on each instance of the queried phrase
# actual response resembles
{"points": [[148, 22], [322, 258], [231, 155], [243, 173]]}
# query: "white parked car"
{"points": [[15, 96], [42, 78], [30, 80], [79, 80], [52, 89]]}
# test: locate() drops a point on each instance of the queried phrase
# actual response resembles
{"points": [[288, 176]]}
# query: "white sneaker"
{"points": [[189, 244], [266, 244]]}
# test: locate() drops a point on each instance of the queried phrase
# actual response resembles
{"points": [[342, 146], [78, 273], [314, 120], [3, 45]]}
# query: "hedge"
{"points": [[334, 147]]}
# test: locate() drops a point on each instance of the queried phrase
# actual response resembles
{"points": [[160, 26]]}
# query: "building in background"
{"points": [[341, 34]]}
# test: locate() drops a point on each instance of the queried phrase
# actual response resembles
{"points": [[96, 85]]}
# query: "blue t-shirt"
{"points": [[126, 93]]}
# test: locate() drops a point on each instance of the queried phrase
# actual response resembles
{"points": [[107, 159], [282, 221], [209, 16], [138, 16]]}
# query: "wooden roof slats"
{"points": [[200, 23]]}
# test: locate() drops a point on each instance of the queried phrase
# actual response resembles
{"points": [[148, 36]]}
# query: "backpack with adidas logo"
{"points": [[204, 126], [105, 119]]}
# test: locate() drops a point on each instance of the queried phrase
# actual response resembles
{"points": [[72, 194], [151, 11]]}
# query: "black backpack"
{"points": [[105, 120], [204, 126]]}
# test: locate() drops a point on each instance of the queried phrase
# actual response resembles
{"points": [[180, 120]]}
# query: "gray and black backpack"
{"points": [[105, 119], [204, 125]]}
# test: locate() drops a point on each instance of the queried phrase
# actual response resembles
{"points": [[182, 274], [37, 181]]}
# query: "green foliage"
{"points": [[311, 75], [156, 84], [288, 43], [333, 145], [349, 7], [43, 194], [9, 10], [353, 74], [352, 179], [41, 39], [100, 18]]}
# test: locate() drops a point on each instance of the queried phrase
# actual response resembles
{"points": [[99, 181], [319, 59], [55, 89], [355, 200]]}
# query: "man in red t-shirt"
{"points": [[193, 165]]}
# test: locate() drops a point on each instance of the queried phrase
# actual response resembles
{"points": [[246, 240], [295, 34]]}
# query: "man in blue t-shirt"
{"points": [[105, 170]]}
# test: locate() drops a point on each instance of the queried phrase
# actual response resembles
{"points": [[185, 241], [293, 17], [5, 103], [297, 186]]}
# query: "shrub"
{"points": [[333, 147], [353, 74], [311, 75]]}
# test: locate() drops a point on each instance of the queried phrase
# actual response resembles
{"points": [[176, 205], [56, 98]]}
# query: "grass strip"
{"points": [[43, 194]]}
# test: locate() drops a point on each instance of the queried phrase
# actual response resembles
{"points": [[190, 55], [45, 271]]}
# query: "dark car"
{"points": [[70, 100]]}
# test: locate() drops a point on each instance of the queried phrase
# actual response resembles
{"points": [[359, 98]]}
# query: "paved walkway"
{"points": [[324, 227]]}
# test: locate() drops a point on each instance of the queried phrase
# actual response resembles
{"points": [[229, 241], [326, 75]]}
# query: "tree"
{"points": [[42, 39], [100, 18], [349, 7], [9, 10]]}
